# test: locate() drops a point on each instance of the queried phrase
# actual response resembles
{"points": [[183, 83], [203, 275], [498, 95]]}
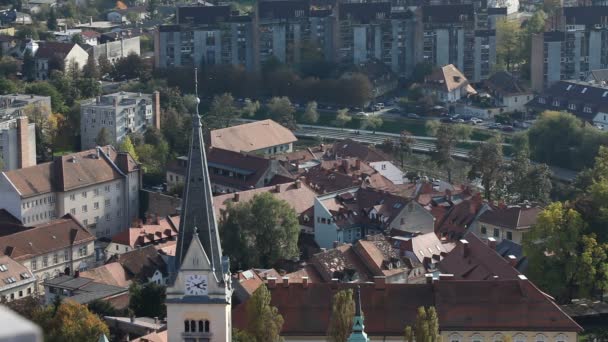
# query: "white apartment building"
{"points": [[120, 114], [60, 246], [16, 281], [99, 187]]}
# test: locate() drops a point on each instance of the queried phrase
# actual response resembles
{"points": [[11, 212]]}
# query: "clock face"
{"points": [[196, 285]]}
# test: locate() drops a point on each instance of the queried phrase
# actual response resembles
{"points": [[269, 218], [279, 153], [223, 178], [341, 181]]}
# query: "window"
{"points": [[45, 261], [55, 258], [66, 255], [96, 192], [73, 211], [455, 338], [84, 194], [34, 265], [107, 188], [484, 230], [509, 236], [85, 222], [572, 106], [561, 338], [107, 203], [116, 247], [496, 232], [96, 219], [539, 338], [117, 186], [587, 109], [519, 338], [82, 251], [96, 205], [20, 294], [107, 217], [477, 338], [72, 197], [84, 209], [541, 100]]}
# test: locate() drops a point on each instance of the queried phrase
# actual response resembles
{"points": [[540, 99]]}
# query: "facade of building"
{"points": [[199, 299], [508, 92], [17, 281], [119, 114], [506, 223], [116, 49], [49, 249], [577, 46], [56, 55], [205, 35], [447, 84], [99, 187]]}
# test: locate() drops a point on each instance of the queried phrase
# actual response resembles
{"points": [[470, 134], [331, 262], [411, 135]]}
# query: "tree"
{"points": [[102, 308], [153, 9], [29, 66], [147, 300], [46, 89], [421, 71], [133, 18], [70, 322], [342, 313], [447, 136], [8, 66], [509, 43], [90, 69], [130, 67], [222, 112], [250, 108], [426, 327], [311, 115], [561, 260], [264, 322], [343, 118], [127, 146], [405, 145], [487, 163], [105, 67], [103, 137], [7, 86], [374, 122], [282, 111], [534, 25], [51, 22], [260, 232]]}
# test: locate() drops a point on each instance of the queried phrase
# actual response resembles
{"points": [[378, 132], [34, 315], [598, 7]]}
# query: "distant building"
{"points": [[119, 16], [448, 84], [506, 223], [17, 135], [99, 187], [143, 265], [60, 56], [49, 249], [117, 49], [264, 137], [80, 289], [156, 231], [17, 281], [508, 92], [570, 52], [120, 114]]}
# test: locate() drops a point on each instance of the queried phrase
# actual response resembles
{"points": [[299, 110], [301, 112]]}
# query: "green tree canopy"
{"points": [[147, 300], [282, 111], [29, 66], [509, 43], [426, 327], [311, 115], [127, 146], [487, 163], [373, 122], [222, 113], [342, 118], [260, 232], [70, 322], [342, 314], [447, 138], [264, 322], [103, 137]]}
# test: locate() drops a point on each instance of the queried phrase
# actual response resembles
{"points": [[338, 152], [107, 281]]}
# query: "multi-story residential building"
{"points": [[17, 280], [577, 46], [58, 56], [17, 142], [49, 249], [587, 101], [509, 93], [206, 35], [119, 114], [99, 187], [509, 223]]}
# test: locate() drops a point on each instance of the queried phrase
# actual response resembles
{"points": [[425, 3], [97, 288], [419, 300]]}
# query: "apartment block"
{"points": [[205, 35], [120, 114], [99, 187], [577, 46]]}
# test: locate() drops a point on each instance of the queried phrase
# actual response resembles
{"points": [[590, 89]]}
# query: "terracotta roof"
{"points": [[352, 149], [72, 171], [299, 198], [146, 234], [45, 238], [153, 337], [448, 78], [50, 49], [341, 262], [111, 274], [476, 261], [251, 136], [459, 218], [142, 263], [377, 254], [12, 272], [90, 34], [505, 83], [507, 305], [307, 271], [246, 283], [515, 217], [425, 247]]}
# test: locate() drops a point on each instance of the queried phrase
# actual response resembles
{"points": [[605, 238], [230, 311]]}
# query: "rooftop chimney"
{"points": [[492, 243], [157, 110], [23, 143], [465, 248], [272, 282], [358, 163], [429, 278], [298, 184], [277, 188], [512, 260], [380, 282], [334, 283], [237, 197], [305, 282], [90, 21], [285, 281]]}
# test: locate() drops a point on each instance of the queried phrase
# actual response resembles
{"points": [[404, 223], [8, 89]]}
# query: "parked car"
{"points": [[380, 105], [495, 125], [507, 128], [475, 121], [413, 116], [446, 120], [458, 120], [362, 114]]}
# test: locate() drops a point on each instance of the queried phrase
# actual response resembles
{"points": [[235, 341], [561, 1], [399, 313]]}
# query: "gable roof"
{"points": [[141, 264], [506, 84], [251, 136], [514, 217], [112, 274], [50, 49], [11, 269], [353, 149], [341, 260], [45, 238], [568, 93], [459, 217], [448, 78], [598, 75], [72, 171], [150, 233]]}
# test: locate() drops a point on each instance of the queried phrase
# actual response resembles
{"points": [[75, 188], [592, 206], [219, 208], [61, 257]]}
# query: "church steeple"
{"points": [[358, 334], [197, 203]]}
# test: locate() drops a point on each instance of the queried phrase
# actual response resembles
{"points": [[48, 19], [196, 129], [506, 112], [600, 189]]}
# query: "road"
{"points": [[422, 144]]}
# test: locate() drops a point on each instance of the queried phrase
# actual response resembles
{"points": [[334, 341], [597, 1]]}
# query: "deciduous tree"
{"points": [[51, 22], [509, 44], [311, 115], [373, 122], [264, 322], [127, 146], [250, 108], [487, 163], [70, 322], [222, 112], [447, 138], [282, 111], [260, 232], [342, 313], [147, 300], [426, 327], [342, 118], [406, 141], [103, 137], [90, 69], [29, 66]]}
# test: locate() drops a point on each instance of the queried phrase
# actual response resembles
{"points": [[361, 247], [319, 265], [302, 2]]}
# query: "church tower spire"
{"points": [[197, 202], [358, 334]]}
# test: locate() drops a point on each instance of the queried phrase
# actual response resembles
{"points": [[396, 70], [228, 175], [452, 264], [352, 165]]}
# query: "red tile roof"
{"points": [[515, 217], [146, 234], [142, 263], [251, 136], [511, 305], [45, 238], [50, 49], [352, 149], [111, 274], [459, 217]]}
